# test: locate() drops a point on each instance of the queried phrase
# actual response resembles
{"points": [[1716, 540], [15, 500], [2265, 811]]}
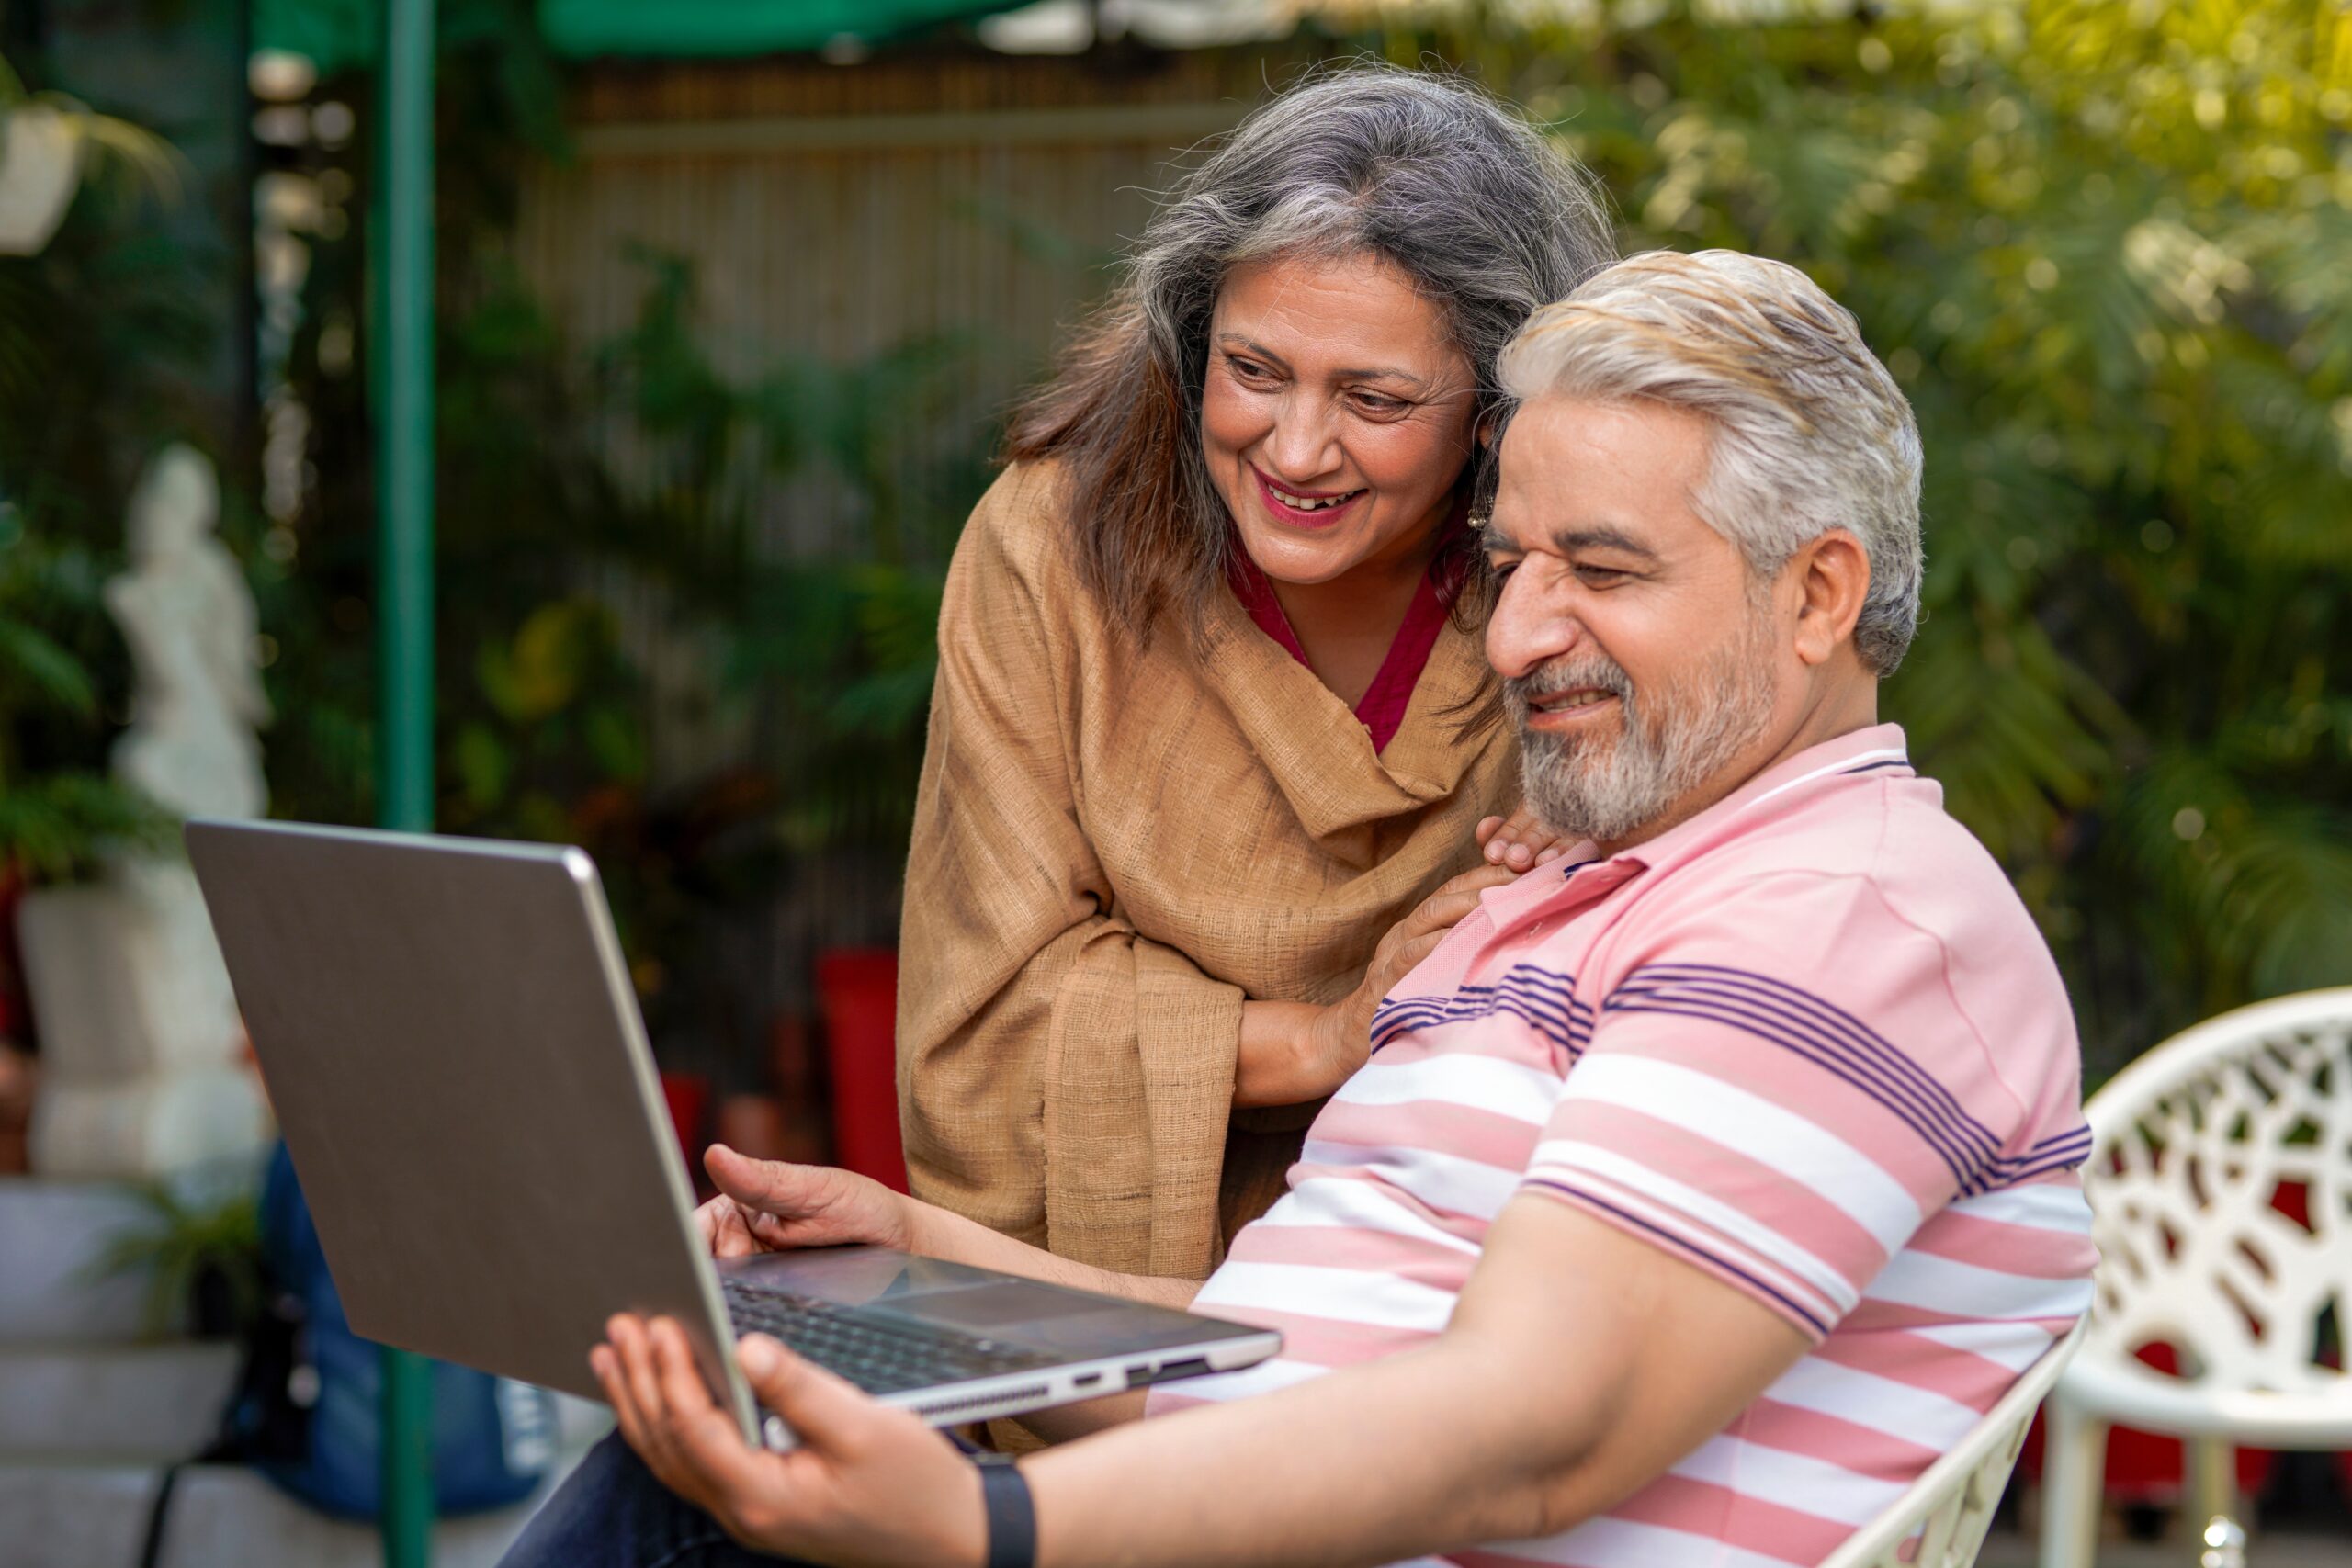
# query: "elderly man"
{"points": [[1692, 1196]]}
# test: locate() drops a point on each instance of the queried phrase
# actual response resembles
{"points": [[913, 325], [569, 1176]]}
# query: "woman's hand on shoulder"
{"points": [[1336, 1039], [771, 1206], [1416, 936], [1519, 841]]}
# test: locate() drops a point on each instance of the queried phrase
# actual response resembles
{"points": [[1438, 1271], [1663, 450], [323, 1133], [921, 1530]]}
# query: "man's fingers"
{"points": [[632, 1384], [825, 1410], [737, 1483], [615, 1382], [703, 1439], [1485, 831], [639, 1378], [682, 1391], [636, 1428], [1522, 840], [681, 1432]]}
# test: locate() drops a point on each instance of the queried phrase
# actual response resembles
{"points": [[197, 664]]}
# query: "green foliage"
{"points": [[90, 330], [2104, 246], [520, 501], [833, 648], [829, 651], [564, 719], [564, 576]]}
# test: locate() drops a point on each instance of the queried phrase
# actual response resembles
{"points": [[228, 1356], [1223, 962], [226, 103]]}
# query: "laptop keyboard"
{"points": [[878, 1356]]}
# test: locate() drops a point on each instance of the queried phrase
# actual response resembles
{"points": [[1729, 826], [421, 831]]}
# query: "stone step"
{"points": [[94, 1516], [150, 1404], [61, 1515], [52, 1234]]}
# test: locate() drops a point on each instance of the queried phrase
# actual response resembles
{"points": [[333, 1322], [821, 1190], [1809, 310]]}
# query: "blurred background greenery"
{"points": [[704, 447]]}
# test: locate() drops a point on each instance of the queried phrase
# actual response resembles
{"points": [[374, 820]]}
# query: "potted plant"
{"points": [[199, 1247]]}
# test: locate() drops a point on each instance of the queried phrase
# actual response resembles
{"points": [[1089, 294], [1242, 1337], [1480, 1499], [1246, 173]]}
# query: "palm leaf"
{"points": [[34, 663]]}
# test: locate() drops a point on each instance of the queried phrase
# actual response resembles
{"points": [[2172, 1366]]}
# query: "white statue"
{"points": [[141, 1046], [185, 612]]}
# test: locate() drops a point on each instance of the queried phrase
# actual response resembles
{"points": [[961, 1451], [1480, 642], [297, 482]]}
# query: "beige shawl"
{"points": [[1114, 846]]}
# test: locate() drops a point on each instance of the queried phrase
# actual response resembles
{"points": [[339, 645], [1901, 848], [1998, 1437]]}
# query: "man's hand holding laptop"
{"points": [[873, 1485], [869, 1484]]}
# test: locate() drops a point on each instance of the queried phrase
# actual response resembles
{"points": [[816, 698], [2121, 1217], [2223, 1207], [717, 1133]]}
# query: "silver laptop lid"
{"points": [[447, 1035]]}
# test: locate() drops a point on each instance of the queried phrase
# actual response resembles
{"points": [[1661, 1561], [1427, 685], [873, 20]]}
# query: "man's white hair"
{"points": [[1809, 433]]}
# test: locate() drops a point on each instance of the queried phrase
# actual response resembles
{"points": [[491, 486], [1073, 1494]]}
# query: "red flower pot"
{"points": [[857, 993]]}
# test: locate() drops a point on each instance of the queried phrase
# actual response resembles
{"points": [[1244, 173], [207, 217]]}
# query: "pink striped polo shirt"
{"points": [[1808, 1040]]}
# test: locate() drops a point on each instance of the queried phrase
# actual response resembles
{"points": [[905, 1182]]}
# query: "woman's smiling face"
{"points": [[1335, 415]]}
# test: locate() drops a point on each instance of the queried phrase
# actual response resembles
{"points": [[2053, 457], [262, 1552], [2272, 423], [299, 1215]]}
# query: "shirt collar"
{"points": [[1879, 748]]}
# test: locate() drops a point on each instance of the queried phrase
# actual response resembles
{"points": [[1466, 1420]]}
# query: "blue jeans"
{"points": [[613, 1513]]}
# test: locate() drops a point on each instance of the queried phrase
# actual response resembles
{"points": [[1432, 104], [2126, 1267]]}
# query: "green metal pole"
{"points": [[401, 354]]}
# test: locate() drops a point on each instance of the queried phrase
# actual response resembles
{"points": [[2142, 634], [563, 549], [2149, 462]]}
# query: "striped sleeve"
{"points": [[1780, 1090]]}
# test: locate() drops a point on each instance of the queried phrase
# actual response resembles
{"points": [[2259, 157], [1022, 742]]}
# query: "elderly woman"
{"points": [[1213, 727]]}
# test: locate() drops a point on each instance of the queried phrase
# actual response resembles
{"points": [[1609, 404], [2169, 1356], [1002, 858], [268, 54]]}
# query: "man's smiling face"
{"points": [[1639, 653]]}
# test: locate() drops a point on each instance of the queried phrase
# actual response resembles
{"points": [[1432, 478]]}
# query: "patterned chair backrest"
{"points": [[2220, 1175]]}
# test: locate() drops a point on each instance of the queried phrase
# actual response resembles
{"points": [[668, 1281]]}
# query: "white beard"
{"points": [[1666, 745]]}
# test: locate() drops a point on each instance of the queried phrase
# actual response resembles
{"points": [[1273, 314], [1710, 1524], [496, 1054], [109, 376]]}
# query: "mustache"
{"points": [[1568, 674]]}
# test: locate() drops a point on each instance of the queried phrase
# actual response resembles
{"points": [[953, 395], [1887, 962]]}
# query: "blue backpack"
{"points": [[307, 1408]]}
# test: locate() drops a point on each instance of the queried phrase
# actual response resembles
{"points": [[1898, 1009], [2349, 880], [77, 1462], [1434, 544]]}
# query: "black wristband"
{"points": [[1012, 1515]]}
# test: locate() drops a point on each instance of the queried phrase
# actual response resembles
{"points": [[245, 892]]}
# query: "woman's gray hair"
{"points": [[1809, 433], [1485, 217]]}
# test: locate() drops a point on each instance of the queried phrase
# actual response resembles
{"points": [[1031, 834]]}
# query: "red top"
{"points": [[1383, 707]]}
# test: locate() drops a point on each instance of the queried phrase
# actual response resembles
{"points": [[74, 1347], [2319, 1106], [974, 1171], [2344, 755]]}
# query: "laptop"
{"points": [[455, 1057]]}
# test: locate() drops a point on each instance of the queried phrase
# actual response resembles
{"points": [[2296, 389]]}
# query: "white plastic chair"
{"points": [[2190, 1145], [1949, 1508]]}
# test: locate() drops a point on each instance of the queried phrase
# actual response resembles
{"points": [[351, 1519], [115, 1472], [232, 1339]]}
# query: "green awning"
{"points": [[332, 35], [336, 34], [578, 28]]}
